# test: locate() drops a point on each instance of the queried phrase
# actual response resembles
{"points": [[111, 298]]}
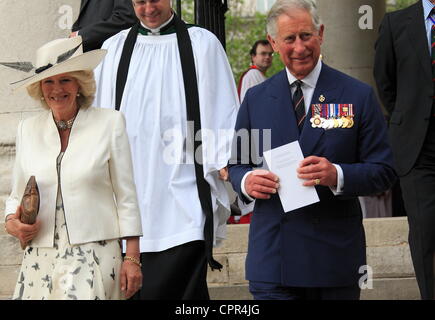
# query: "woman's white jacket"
{"points": [[96, 176]]}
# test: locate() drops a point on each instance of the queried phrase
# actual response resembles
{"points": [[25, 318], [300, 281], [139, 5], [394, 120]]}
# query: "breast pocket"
{"points": [[339, 143]]}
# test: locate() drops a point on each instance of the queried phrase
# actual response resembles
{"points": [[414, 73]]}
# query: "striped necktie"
{"points": [[299, 104]]}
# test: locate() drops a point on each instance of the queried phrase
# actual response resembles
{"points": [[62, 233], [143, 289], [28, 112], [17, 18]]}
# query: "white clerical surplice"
{"points": [[155, 110]]}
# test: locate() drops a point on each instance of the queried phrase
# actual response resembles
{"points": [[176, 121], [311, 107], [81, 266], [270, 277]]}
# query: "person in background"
{"points": [[261, 60], [404, 71], [98, 20]]}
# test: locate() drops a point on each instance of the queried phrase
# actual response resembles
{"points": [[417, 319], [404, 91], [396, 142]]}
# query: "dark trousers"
{"points": [[273, 291], [419, 197], [179, 273]]}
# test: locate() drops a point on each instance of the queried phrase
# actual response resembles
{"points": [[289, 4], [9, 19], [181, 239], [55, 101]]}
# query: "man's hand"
{"points": [[223, 174], [317, 171], [73, 34], [260, 184]]}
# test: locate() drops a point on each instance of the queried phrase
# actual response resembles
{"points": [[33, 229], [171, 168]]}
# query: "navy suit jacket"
{"points": [[321, 245]]}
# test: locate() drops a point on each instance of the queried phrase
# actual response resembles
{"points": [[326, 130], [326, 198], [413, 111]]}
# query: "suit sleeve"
{"points": [[240, 162], [123, 17], [373, 172], [385, 65], [121, 175]]}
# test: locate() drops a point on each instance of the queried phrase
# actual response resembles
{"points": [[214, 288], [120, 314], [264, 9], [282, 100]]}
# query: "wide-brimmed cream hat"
{"points": [[61, 56]]}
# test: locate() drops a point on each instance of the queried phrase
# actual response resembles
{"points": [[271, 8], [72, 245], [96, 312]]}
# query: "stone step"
{"points": [[383, 289]]}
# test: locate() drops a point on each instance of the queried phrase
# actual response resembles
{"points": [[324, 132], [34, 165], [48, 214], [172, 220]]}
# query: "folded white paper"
{"points": [[284, 161]]}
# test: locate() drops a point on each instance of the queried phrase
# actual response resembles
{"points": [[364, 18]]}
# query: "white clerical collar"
{"points": [[156, 31], [311, 79]]}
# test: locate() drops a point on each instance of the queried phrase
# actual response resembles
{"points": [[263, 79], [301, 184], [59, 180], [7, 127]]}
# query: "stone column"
{"points": [[25, 25], [346, 46]]}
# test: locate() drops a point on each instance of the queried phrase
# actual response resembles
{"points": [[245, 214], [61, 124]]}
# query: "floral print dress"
{"points": [[87, 271]]}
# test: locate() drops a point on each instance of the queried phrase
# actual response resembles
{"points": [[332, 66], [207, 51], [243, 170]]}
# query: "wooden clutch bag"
{"points": [[30, 203]]}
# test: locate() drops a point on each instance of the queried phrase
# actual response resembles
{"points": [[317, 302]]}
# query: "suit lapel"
{"points": [[326, 86], [285, 127], [417, 36]]}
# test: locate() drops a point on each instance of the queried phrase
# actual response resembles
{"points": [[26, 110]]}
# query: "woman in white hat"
{"points": [[81, 159]]}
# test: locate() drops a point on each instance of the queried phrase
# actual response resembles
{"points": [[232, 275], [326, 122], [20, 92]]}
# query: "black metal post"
{"points": [[210, 14], [179, 13]]}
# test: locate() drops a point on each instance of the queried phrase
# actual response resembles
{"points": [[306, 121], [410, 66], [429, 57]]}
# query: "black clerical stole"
{"points": [[193, 114]]}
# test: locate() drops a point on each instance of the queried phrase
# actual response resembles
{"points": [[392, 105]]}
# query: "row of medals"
{"points": [[330, 123]]}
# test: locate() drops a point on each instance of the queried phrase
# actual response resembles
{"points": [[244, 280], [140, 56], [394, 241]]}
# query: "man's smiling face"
{"points": [[298, 42]]}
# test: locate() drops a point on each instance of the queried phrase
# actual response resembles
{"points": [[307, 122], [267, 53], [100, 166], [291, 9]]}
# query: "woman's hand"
{"points": [[24, 232], [131, 272], [131, 278]]}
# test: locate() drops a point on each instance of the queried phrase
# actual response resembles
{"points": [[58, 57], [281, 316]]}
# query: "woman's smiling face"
{"points": [[60, 93]]}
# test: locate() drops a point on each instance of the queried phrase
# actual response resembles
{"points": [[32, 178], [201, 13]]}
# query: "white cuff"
{"points": [[242, 187], [340, 181]]}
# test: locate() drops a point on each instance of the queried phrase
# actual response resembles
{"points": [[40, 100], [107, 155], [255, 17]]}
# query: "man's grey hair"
{"points": [[284, 6]]}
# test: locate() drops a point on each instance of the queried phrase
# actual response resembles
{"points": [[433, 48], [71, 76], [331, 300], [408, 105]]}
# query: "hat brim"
{"points": [[86, 61]]}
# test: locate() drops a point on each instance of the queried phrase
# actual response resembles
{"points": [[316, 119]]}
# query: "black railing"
{"points": [[210, 14]]}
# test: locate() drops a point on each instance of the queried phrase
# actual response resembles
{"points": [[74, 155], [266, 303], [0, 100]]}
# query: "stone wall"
{"points": [[348, 46], [387, 254]]}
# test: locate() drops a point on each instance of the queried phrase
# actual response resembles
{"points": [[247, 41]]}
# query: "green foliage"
{"points": [[241, 33], [399, 4], [187, 10]]}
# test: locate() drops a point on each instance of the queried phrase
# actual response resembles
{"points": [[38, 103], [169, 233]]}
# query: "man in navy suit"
{"points": [[317, 251]]}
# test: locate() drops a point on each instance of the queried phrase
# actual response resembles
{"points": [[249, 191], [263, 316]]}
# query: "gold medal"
{"points": [[351, 123], [322, 98], [345, 122]]}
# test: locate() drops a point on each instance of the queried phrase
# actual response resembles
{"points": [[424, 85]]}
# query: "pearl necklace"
{"points": [[64, 125]]}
